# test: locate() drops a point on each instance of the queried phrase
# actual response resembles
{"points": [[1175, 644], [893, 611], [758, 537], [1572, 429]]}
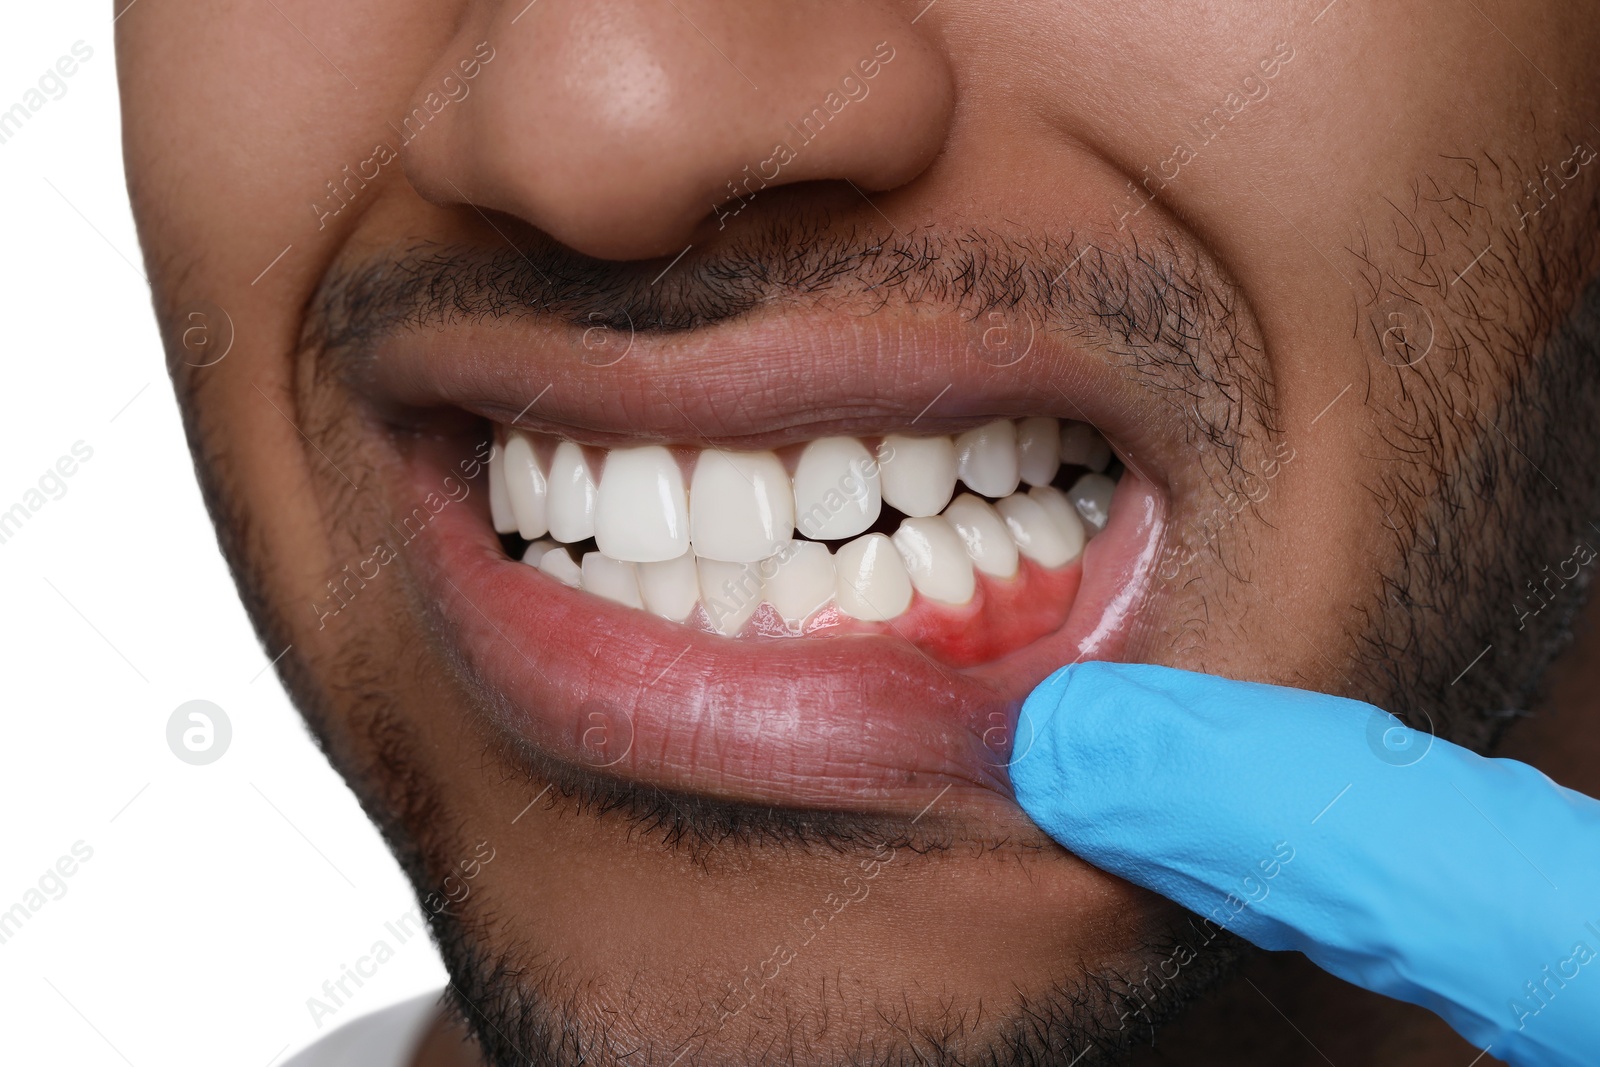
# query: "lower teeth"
{"points": [[706, 537]]}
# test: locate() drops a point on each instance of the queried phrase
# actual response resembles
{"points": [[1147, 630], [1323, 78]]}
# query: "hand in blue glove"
{"points": [[1396, 861]]}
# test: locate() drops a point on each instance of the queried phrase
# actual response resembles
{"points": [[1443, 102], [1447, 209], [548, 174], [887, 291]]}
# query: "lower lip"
{"points": [[854, 722]]}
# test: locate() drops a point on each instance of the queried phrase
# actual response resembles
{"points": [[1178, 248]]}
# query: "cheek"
{"points": [[246, 239], [267, 164]]}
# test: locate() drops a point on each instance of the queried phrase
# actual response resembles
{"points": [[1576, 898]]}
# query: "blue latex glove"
{"points": [[1399, 862]]}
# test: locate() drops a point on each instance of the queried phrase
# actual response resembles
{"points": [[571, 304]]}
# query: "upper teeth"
{"points": [[725, 536]]}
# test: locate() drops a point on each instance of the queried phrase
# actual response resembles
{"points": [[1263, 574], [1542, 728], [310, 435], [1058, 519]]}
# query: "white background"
{"points": [[219, 897]]}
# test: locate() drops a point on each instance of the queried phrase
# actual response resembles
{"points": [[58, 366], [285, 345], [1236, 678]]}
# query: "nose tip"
{"points": [[618, 128]]}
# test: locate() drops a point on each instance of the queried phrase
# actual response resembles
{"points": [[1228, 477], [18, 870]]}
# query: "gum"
{"points": [[1004, 615]]}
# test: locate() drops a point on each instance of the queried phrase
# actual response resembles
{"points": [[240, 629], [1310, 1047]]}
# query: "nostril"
{"points": [[621, 143]]}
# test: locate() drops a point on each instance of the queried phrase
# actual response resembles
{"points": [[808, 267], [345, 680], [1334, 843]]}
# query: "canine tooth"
{"points": [[641, 511], [572, 495], [802, 582], [1091, 496], [1082, 446], [741, 506], [526, 489], [670, 587], [536, 552], [836, 489], [730, 593], [1038, 449], [499, 501], [1059, 508], [1038, 536], [936, 559], [988, 542], [918, 473], [987, 458], [873, 583], [613, 579], [558, 564]]}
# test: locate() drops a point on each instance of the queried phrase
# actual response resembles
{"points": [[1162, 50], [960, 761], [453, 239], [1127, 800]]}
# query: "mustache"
{"points": [[1158, 311], [1131, 296]]}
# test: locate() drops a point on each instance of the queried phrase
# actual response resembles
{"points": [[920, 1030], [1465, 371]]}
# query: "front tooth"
{"points": [[572, 495], [741, 506], [613, 579], [536, 551], [730, 594], [918, 473], [641, 513], [1082, 446], [558, 564], [873, 583], [1091, 495], [1059, 508], [1038, 450], [1037, 534], [837, 492], [988, 542], [986, 458], [936, 559], [671, 588], [526, 489], [802, 582], [499, 501]]}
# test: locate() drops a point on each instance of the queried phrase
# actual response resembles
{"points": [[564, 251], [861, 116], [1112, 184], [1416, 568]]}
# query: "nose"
{"points": [[619, 127]]}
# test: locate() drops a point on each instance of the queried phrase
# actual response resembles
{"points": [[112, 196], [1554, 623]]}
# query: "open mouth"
{"points": [[702, 572], [966, 545]]}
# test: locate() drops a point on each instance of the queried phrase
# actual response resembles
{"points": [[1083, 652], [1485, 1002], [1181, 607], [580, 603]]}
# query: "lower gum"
{"points": [[1004, 614]]}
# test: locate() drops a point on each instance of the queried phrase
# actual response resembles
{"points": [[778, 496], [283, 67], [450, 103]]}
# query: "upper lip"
{"points": [[852, 724], [760, 383]]}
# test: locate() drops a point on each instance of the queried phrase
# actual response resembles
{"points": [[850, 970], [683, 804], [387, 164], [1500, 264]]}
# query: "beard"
{"points": [[1479, 406]]}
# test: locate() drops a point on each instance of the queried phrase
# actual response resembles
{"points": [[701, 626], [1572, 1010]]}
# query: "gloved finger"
{"points": [[1397, 861]]}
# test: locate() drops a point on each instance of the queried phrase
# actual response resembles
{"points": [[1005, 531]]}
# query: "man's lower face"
{"points": [[792, 500], [717, 638]]}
